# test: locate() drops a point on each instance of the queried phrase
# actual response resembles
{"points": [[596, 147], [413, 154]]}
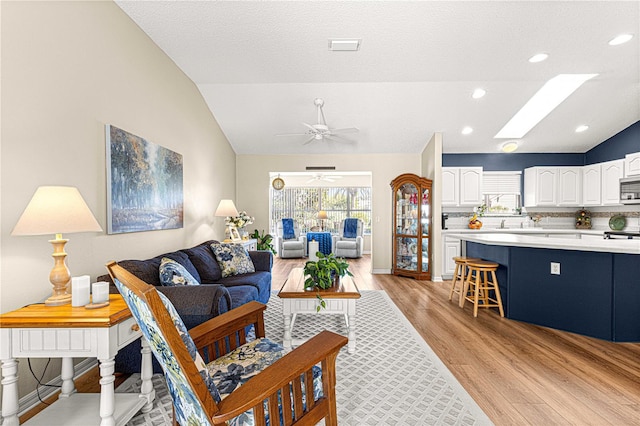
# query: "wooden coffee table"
{"points": [[339, 300]]}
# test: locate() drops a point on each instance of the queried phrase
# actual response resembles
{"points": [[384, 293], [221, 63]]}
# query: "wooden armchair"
{"points": [[286, 389]]}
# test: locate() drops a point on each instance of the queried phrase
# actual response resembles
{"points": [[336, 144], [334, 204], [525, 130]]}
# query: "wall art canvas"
{"points": [[144, 184]]}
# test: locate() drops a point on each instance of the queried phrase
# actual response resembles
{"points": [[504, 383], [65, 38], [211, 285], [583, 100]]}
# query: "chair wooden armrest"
{"points": [[226, 332], [285, 374]]}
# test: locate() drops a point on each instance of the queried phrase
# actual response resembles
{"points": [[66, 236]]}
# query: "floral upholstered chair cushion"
{"points": [[233, 259], [172, 273], [234, 369]]}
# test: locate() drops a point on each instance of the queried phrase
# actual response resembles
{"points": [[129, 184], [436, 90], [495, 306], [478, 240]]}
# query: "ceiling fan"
{"points": [[322, 177], [320, 130]]}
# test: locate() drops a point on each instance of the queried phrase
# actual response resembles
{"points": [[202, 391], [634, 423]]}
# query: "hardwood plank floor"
{"points": [[519, 374]]}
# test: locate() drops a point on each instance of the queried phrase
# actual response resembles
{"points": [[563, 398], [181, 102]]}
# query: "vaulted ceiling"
{"points": [[260, 64]]}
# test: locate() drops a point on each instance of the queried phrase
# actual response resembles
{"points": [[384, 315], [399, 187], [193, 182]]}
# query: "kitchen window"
{"points": [[501, 192]]}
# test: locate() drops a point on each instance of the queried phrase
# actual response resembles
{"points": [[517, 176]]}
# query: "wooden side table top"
{"points": [[40, 316], [293, 288]]}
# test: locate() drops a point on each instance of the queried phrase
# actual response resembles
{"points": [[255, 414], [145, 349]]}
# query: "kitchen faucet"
{"points": [[502, 224]]}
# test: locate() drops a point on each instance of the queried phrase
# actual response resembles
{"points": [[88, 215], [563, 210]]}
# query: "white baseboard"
{"points": [[381, 271], [31, 400], [436, 279]]}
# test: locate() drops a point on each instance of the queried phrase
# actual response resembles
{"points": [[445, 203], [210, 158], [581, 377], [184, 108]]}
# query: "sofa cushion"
{"points": [[233, 259], [242, 294], [147, 270], [172, 273], [260, 280], [202, 258]]}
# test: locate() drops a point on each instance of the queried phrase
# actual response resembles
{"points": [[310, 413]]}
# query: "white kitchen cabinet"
{"points": [[540, 186], [632, 164], [451, 249], [612, 171], [470, 186], [450, 186], [461, 186], [592, 185], [569, 186]]}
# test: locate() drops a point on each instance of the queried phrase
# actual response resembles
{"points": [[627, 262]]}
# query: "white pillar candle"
{"points": [[80, 290], [100, 292]]}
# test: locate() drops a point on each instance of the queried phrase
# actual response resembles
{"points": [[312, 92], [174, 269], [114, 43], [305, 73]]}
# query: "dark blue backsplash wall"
{"points": [[614, 148]]}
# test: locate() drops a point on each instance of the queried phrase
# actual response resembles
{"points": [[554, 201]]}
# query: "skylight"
{"points": [[552, 94]]}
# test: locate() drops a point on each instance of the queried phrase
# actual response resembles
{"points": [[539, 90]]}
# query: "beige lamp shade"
{"points": [[322, 215], [56, 210], [226, 208]]}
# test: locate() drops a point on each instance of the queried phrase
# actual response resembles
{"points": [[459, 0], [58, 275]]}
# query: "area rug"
{"points": [[393, 378]]}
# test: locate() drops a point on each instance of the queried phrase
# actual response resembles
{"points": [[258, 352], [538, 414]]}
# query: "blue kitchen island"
{"points": [[597, 292]]}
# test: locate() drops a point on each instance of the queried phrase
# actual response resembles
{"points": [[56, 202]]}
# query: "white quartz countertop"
{"points": [[557, 242], [532, 231]]}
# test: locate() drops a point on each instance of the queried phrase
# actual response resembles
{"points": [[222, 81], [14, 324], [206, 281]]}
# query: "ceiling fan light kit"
{"points": [[321, 130]]}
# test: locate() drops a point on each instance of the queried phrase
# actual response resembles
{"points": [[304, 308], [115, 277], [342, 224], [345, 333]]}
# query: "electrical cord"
{"points": [[39, 380]]}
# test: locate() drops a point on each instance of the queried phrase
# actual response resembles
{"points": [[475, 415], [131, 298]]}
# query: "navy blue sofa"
{"points": [[197, 303]]}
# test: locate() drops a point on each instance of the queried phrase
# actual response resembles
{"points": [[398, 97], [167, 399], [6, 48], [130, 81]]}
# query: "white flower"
{"points": [[240, 221]]}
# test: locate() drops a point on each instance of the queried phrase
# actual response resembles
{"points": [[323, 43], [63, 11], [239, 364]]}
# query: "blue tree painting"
{"points": [[144, 184]]}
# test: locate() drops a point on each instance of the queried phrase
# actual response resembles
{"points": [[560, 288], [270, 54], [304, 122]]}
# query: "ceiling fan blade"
{"points": [[313, 129], [292, 134], [345, 130], [309, 140]]}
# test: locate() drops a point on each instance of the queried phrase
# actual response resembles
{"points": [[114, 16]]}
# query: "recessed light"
{"points": [[478, 93], [509, 146], [581, 128], [552, 94], [622, 38], [467, 130], [538, 57], [344, 45]]}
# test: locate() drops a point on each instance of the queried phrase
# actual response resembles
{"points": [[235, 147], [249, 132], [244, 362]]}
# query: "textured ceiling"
{"points": [[260, 65]]}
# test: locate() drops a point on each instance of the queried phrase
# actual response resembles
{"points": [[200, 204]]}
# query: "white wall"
{"points": [[253, 188], [431, 159], [69, 68]]}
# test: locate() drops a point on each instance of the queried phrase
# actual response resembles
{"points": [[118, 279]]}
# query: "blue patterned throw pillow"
{"points": [[172, 273], [233, 259]]}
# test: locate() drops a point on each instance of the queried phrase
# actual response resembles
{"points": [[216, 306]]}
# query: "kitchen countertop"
{"points": [[486, 230], [507, 237]]}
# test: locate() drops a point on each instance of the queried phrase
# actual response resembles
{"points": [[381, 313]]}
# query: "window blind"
{"points": [[501, 183]]}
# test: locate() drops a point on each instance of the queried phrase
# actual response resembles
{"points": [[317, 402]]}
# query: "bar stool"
{"points": [[479, 283], [459, 274]]}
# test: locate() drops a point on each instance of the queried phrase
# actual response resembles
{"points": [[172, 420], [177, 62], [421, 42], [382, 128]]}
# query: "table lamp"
{"points": [[57, 210], [227, 208], [322, 215]]}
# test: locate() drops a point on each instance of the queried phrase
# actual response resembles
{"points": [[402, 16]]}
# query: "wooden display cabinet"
{"points": [[412, 226]]}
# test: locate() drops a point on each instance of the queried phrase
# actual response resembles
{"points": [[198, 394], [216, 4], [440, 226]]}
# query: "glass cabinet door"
{"points": [[407, 253]]}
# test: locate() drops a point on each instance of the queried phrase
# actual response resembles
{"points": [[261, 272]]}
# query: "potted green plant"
{"points": [[265, 241], [324, 273]]}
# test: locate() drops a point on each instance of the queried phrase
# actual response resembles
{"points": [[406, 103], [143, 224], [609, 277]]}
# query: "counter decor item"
{"points": [[617, 222], [583, 219], [474, 222]]}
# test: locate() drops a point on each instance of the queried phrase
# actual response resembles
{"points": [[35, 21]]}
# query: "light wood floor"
{"points": [[519, 374]]}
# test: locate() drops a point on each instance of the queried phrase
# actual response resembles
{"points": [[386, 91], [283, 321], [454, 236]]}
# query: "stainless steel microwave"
{"points": [[630, 190]]}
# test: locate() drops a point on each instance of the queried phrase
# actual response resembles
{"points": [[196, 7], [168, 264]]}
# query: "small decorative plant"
{"points": [[265, 241], [240, 221], [321, 274]]}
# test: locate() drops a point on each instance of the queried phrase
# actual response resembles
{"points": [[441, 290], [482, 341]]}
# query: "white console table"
{"points": [[39, 331]]}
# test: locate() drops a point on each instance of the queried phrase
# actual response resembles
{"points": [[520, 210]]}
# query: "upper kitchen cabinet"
{"points": [[461, 186], [569, 186], [632, 164], [612, 171], [552, 186], [540, 186], [592, 185]]}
